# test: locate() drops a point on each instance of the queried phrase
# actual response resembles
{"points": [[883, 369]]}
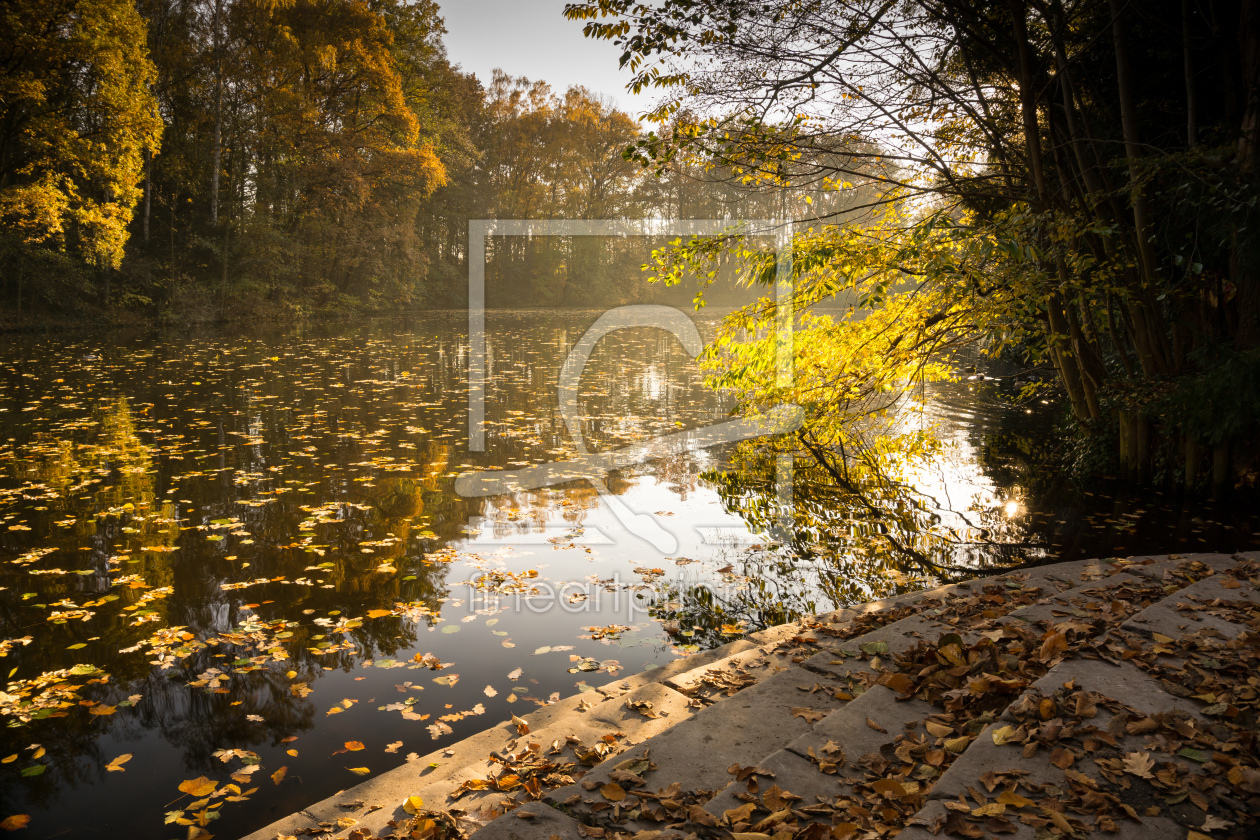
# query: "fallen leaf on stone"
{"points": [[1054, 646], [613, 792], [808, 715], [413, 804], [1139, 764]]}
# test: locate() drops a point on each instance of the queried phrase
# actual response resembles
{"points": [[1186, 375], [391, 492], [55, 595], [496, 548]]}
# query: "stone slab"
{"points": [[678, 666], [1151, 828], [545, 823], [740, 729], [758, 662], [792, 774], [848, 726], [1164, 617], [1043, 612]]}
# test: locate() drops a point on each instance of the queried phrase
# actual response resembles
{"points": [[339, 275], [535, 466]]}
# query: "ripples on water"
{"points": [[227, 555]]}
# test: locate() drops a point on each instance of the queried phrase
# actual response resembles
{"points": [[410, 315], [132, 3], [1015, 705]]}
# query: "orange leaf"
{"points": [[15, 822], [278, 776], [354, 746], [103, 709]]}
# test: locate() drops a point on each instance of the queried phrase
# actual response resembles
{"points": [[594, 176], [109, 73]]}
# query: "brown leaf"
{"points": [[1054, 646], [278, 776], [873, 725], [1062, 758], [809, 715], [1139, 764], [740, 814], [613, 792], [899, 683]]}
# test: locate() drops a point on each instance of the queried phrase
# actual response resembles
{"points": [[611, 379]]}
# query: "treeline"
{"points": [[197, 159]]}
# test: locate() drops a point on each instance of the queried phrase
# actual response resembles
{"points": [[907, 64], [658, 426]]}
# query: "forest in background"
{"points": [[195, 160]]}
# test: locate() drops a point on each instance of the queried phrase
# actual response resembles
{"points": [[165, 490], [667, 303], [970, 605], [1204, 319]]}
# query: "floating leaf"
{"points": [[117, 763], [379, 613], [359, 771], [354, 746], [15, 822], [200, 786], [102, 709], [278, 776], [34, 770]]}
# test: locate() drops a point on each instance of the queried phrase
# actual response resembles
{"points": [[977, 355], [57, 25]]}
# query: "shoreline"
{"points": [[685, 728]]}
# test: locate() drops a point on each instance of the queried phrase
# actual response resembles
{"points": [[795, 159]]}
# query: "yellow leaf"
{"points": [[9, 759], [278, 776], [117, 763], [359, 771], [413, 805], [1013, 800], [379, 613], [1003, 734], [200, 786], [103, 710]]}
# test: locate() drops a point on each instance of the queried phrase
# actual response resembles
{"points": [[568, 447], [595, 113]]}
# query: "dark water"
{"points": [[243, 542]]}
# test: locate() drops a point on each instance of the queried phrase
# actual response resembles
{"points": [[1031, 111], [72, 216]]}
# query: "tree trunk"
{"points": [[1128, 123], [1220, 470], [217, 149], [148, 191], [1192, 119], [1192, 462]]}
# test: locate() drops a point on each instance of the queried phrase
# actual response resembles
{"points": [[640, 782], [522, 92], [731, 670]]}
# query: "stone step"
{"points": [[845, 738], [470, 759], [697, 752], [1037, 775], [1190, 609]]}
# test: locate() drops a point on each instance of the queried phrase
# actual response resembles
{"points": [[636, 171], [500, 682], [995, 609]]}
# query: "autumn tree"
{"points": [[76, 116]]}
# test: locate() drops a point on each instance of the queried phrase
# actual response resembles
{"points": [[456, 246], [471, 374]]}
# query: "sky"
{"points": [[532, 38]]}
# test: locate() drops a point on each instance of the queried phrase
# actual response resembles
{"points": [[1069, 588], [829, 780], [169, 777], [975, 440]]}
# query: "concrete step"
{"points": [[697, 752], [470, 760]]}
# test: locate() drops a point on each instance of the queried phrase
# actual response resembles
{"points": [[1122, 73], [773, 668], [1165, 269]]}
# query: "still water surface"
{"points": [[233, 554]]}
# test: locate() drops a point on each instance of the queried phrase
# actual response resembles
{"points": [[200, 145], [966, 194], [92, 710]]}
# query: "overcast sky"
{"points": [[532, 38]]}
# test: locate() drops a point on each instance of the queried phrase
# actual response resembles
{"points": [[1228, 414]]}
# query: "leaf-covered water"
{"points": [[236, 577]]}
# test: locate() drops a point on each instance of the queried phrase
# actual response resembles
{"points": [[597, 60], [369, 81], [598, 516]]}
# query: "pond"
{"points": [[242, 554]]}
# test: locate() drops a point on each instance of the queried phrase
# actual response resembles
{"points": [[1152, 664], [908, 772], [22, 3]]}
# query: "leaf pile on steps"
{"points": [[1119, 764]]}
